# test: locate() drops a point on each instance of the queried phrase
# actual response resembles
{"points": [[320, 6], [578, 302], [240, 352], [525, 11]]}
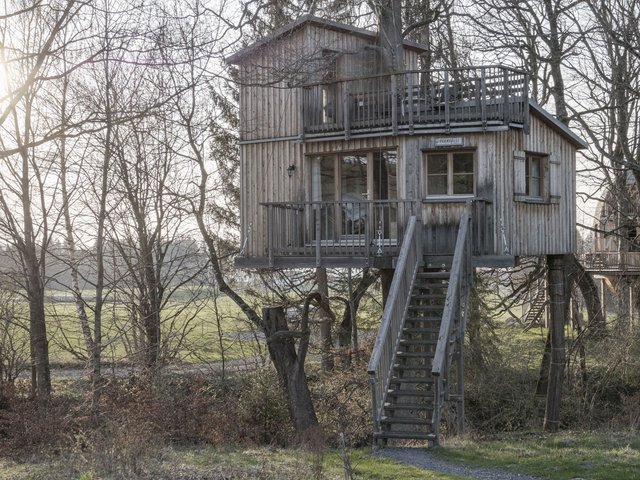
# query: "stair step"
{"points": [[403, 354], [428, 296], [427, 308], [418, 342], [431, 275], [413, 330], [405, 435], [421, 380], [410, 393], [405, 420], [425, 407], [428, 285], [421, 368], [424, 318]]}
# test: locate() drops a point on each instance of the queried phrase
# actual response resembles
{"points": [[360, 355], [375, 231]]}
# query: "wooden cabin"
{"points": [[428, 172]]}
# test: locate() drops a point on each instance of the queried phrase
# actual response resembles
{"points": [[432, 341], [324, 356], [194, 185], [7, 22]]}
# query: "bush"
{"points": [[343, 404]]}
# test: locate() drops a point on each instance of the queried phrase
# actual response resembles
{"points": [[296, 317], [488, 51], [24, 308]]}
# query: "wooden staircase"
{"points": [[537, 307], [416, 365], [408, 411]]}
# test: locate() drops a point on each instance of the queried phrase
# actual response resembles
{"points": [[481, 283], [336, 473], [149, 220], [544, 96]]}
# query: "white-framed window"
{"points": [[450, 173]]}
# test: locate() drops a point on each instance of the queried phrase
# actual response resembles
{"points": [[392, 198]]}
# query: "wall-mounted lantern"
{"points": [[290, 170]]}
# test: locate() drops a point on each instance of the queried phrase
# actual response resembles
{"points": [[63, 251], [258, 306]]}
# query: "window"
{"points": [[538, 177], [450, 173], [533, 176]]}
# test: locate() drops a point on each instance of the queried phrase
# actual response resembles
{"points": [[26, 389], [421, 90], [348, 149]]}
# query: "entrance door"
{"points": [[350, 182], [353, 193], [385, 187]]}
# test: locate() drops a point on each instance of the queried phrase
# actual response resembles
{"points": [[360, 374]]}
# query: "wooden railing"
{"points": [[337, 229], [611, 261], [452, 328], [441, 220], [393, 316], [481, 96]]}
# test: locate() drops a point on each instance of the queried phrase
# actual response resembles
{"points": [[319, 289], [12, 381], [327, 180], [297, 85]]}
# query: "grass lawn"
{"points": [[196, 331], [566, 455]]}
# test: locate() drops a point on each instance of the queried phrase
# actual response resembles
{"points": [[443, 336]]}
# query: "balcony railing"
{"points": [[367, 229], [336, 229], [611, 261], [434, 99]]}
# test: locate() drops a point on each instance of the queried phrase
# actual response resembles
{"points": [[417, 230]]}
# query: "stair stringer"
{"points": [[391, 325], [452, 330]]}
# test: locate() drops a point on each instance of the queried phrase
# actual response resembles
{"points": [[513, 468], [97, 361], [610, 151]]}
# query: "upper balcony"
{"points": [[475, 98]]}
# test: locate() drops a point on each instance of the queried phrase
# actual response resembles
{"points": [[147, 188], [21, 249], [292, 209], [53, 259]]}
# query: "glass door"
{"points": [[346, 184], [353, 193]]}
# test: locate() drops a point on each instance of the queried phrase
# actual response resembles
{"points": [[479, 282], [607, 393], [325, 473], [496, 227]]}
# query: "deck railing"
{"points": [[430, 99], [337, 229], [451, 336], [391, 324], [611, 261]]}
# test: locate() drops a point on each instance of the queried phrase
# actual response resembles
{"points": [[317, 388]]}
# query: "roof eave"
{"points": [[311, 19], [569, 134]]}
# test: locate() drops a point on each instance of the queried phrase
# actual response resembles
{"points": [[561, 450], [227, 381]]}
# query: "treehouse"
{"points": [[614, 255], [428, 172], [616, 243]]}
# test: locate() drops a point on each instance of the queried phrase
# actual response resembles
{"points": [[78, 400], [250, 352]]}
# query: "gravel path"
{"points": [[421, 458]]}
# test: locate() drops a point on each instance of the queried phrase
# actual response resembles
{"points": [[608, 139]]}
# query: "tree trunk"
{"points": [[558, 313], [543, 378], [326, 320], [345, 332], [289, 365], [386, 277], [590, 293], [38, 342], [389, 15]]}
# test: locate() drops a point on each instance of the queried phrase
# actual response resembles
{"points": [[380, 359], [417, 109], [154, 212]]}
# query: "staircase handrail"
{"points": [[460, 267], [392, 320], [460, 256]]}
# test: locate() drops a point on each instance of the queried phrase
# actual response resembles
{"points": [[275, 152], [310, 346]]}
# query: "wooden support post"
{"points": [[394, 104], [460, 382], [271, 219], [346, 111], [558, 314], [632, 309], [447, 101], [318, 227], [603, 298]]}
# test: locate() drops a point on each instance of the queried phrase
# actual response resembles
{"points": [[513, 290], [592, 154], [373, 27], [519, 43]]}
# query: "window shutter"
{"points": [[554, 176], [519, 172]]}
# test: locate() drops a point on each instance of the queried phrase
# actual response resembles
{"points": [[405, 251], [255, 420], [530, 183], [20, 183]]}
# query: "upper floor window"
{"points": [[537, 177], [450, 173], [534, 181]]}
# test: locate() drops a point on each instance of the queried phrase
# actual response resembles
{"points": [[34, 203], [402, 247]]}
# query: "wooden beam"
{"points": [[558, 294]]}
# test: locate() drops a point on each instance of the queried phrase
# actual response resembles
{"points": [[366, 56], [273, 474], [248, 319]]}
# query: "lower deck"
{"points": [[362, 234]]}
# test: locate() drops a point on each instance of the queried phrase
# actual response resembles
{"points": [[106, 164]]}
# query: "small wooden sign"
{"points": [[448, 142]]}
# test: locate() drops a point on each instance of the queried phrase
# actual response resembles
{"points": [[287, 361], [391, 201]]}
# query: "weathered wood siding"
{"points": [[271, 76], [547, 228], [271, 122], [264, 178]]}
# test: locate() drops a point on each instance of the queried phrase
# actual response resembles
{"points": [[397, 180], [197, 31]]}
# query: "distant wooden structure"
{"points": [[429, 172], [614, 256]]}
